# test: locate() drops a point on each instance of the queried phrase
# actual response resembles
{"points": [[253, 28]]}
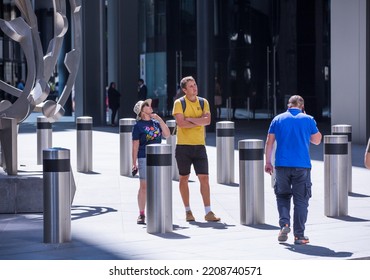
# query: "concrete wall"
{"points": [[348, 66], [21, 194]]}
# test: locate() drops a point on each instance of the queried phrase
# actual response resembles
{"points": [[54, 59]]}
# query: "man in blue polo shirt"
{"points": [[293, 132]]}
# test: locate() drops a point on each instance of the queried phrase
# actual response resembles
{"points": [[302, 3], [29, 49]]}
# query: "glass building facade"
{"points": [[261, 52], [12, 62]]}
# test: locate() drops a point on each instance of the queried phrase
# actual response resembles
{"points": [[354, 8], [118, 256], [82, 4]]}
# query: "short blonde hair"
{"points": [[185, 80]]}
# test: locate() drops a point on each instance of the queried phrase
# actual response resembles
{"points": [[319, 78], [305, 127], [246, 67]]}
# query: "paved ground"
{"points": [[104, 212]]}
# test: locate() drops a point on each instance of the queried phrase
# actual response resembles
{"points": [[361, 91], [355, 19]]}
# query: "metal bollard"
{"points": [[251, 177], [57, 195], [335, 175], [346, 129], [125, 132], [159, 188], [225, 152], [172, 141], [44, 136], [84, 144]]}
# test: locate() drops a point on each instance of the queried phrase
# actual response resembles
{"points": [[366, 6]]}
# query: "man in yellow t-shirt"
{"points": [[190, 146]]}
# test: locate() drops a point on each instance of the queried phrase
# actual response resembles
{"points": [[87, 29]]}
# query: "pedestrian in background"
{"points": [[113, 101], [142, 90], [190, 147], [149, 129], [293, 132]]}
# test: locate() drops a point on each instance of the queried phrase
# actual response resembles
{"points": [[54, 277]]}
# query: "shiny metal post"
{"points": [[346, 129], [44, 136], [172, 141], [159, 188], [84, 144], [57, 195], [251, 177], [225, 132], [335, 175], [125, 132]]}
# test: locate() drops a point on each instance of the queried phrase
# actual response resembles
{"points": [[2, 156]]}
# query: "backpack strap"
{"points": [[183, 103], [201, 102]]}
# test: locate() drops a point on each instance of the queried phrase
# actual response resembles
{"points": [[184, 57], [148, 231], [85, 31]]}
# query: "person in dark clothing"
{"points": [[142, 90], [113, 101]]}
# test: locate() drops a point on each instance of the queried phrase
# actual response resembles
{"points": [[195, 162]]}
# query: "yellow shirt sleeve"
{"points": [[177, 107]]}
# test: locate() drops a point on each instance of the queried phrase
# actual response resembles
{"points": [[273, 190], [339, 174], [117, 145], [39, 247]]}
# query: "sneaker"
{"points": [[141, 220], [210, 217], [189, 216], [301, 240], [283, 234]]}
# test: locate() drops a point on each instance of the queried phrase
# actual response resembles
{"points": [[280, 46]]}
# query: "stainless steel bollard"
{"points": [[172, 141], [125, 132], [335, 175], [44, 136], [346, 129], [225, 132], [57, 195], [159, 188], [251, 178], [84, 144]]}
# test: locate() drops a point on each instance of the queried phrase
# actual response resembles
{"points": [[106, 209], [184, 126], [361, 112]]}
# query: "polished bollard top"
{"points": [[159, 155], [225, 129], [84, 123], [335, 144], [342, 129]]}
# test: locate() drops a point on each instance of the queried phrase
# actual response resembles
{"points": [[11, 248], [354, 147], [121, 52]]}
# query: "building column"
{"points": [[205, 58], [112, 42], [93, 61], [127, 59], [349, 54]]}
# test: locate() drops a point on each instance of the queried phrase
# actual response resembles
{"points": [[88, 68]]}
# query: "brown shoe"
{"points": [[189, 216], [141, 220], [210, 217]]}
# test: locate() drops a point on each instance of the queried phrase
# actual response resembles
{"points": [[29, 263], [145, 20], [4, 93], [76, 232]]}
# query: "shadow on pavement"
{"points": [[314, 250]]}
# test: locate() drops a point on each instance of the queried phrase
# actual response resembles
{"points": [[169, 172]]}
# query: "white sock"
{"points": [[187, 208], [207, 209]]}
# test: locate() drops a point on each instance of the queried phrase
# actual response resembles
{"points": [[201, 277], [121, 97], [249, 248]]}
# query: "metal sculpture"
{"points": [[24, 30]]}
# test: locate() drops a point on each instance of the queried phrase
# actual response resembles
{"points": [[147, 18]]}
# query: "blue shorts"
{"points": [[142, 168]]}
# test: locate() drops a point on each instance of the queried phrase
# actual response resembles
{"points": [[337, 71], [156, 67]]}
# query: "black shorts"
{"points": [[187, 155]]}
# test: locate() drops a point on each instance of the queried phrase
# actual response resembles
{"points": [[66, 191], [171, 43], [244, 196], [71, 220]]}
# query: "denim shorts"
{"points": [[142, 168]]}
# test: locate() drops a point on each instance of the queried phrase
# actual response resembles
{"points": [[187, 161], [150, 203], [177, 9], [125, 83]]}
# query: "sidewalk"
{"points": [[104, 211]]}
